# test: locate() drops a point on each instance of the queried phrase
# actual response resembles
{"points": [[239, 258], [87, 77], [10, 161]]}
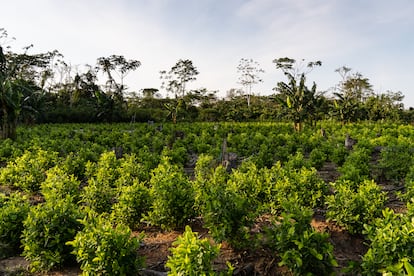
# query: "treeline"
{"points": [[43, 88]]}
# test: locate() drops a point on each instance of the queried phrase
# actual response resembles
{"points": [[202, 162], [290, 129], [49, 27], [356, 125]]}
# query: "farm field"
{"points": [[259, 199]]}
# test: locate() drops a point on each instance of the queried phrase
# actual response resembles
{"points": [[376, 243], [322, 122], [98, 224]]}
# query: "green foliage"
{"points": [[104, 249], [352, 207], [98, 196], [391, 240], [100, 192], [396, 161], [172, 196], [28, 171], [13, 211], [132, 168], [133, 203], [408, 194], [304, 185], [227, 211], [317, 158], [105, 171], [59, 184], [338, 155], [75, 163], [47, 228], [356, 167], [301, 248], [192, 256]]}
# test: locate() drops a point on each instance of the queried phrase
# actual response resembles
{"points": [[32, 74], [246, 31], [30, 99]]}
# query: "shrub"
{"points": [[352, 208], [104, 249], [172, 196], [304, 185], [98, 196], [100, 193], [301, 248], [131, 168], [59, 184], [226, 211], [133, 203], [192, 256], [391, 240], [317, 158], [47, 228], [356, 166], [395, 162], [28, 171], [104, 171], [13, 211]]}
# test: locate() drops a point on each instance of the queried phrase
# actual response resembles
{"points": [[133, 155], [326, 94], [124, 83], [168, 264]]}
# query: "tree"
{"points": [[351, 93], [299, 101], [295, 69], [385, 106], [22, 77], [113, 101], [249, 75], [179, 75], [121, 67]]}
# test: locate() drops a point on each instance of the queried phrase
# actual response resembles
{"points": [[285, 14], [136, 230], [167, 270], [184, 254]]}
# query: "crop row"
{"points": [[75, 192]]}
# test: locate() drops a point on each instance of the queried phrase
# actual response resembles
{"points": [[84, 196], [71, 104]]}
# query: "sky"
{"points": [[373, 37]]}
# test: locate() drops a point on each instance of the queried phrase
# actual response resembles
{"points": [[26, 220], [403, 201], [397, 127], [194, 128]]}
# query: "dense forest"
{"points": [[44, 88]]}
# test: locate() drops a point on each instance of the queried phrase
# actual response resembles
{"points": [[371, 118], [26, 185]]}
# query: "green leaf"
{"points": [[409, 268]]}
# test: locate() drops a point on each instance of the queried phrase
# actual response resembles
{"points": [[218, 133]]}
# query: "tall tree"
{"points": [[21, 79], [351, 93], [121, 67], [180, 74], [385, 106], [249, 71]]}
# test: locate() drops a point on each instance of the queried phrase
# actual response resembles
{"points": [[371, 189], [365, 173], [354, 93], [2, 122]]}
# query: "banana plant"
{"points": [[297, 98], [10, 98], [173, 109]]}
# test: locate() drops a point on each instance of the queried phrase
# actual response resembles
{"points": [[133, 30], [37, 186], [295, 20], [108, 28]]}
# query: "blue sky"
{"points": [[373, 37]]}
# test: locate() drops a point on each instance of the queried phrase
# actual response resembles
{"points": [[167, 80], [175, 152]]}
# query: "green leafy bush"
{"points": [[317, 158], [356, 167], [192, 256], [75, 163], [28, 171], [98, 196], [338, 154], [59, 184], [13, 211], [226, 211], [391, 239], [104, 171], [352, 207], [172, 196], [396, 161], [47, 228], [132, 168], [303, 184], [104, 249], [301, 248], [100, 193], [133, 202]]}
